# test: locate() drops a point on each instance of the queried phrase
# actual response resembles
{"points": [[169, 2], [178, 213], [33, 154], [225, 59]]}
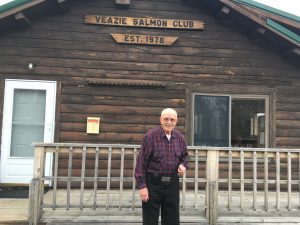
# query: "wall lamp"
{"points": [[31, 66], [122, 3]]}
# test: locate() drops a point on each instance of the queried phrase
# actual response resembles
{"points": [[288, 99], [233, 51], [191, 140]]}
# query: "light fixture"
{"points": [[31, 66], [122, 3]]}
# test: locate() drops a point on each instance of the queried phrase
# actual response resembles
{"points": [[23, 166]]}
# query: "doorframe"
{"points": [[2, 82], [7, 113]]}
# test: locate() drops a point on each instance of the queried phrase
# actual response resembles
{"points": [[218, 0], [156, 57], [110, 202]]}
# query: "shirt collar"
{"points": [[163, 134]]}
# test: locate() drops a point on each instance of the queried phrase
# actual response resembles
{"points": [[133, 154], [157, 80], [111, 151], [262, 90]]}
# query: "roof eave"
{"points": [[17, 6]]}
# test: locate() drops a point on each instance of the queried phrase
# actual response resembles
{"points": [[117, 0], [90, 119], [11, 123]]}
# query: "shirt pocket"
{"points": [[177, 150], [158, 155]]}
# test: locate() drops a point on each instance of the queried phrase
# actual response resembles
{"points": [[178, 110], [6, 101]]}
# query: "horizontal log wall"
{"points": [[71, 52], [126, 114], [288, 116]]}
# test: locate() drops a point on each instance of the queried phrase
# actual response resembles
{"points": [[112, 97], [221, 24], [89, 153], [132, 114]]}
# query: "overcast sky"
{"points": [[291, 6]]}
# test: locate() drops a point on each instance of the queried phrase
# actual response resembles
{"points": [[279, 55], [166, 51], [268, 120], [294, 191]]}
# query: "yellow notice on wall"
{"points": [[93, 125]]}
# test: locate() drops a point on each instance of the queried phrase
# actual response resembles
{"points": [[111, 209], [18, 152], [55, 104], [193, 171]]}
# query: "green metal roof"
{"points": [[283, 30], [273, 24], [12, 4], [269, 9]]}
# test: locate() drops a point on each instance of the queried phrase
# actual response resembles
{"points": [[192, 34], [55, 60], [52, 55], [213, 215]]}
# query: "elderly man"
{"points": [[163, 155]]}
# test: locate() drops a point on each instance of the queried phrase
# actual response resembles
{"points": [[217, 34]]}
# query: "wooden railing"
{"points": [[275, 173]]}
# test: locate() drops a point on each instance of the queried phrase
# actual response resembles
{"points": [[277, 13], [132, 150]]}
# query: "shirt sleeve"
{"points": [[142, 161], [184, 160]]}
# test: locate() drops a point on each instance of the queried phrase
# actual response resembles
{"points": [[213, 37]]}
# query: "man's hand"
{"points": [[181, 169], [144, 195]]}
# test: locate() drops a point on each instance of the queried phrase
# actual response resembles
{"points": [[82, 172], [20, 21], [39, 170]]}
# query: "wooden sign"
{"points": [[144, 22], [144, 39]]}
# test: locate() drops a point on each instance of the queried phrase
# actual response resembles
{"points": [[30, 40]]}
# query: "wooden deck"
{"points": [[271, 175], [13, 211], [117, 214]]}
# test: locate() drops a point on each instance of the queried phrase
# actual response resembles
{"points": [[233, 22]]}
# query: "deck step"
{"points": [[182, 223], [247, 220], [14, 223], [107, 223]]}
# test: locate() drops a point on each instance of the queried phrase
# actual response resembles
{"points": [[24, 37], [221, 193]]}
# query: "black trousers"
{"points": [[164, 197]]}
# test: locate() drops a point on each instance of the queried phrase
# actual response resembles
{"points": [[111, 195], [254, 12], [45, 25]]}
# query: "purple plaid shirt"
{"points": [[159, 155]]}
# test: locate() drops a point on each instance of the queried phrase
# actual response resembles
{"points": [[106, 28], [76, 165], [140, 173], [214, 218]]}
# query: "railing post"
{"points": [[36, 187], [213, 202], [33, 208], [212, 175]]}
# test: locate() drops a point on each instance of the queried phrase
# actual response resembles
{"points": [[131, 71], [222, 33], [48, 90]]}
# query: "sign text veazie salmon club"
{"points": [[144, 22]]}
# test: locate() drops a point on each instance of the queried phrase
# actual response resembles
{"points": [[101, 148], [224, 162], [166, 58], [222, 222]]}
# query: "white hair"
{"points": [[168, 111]]}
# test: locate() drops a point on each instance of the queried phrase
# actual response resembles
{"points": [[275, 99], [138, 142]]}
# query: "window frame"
{"points": [[268, 116]]}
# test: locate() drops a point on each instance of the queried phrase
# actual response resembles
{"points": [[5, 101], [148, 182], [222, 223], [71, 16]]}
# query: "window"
{"points": [[231, 120], [248, 123], [211, 120], [28, 121]]}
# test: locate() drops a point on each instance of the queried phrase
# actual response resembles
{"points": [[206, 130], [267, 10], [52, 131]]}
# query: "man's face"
{"points": [[168, 122]]}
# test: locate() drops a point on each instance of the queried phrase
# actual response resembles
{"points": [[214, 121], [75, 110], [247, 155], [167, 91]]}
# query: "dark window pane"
{"points": [[211, 121], [248, 123]]}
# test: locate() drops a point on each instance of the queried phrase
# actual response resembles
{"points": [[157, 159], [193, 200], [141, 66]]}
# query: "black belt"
{"points": [[157, 178]]}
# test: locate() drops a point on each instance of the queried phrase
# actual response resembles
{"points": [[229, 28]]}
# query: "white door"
{"points": [[28, 116]]}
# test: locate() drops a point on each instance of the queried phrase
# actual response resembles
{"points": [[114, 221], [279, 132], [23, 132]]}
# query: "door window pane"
{"points": [[28, 121], [211, 120], [248, 123]]}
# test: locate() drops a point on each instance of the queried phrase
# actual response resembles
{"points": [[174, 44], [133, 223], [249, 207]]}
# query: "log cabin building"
{"points": [[101, 71]]}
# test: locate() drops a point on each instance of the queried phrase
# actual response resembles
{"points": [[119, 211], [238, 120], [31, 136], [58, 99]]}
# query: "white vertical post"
{"points": [[254, 180], [266, 183], [212, 174], [289, 175], [183, 191], [55, 177], [133, 178], [277, 180], [96, 177], [82, 178], [37, 186], [108, 177], [196, 179], [229, 179], [242, 180], [69, 177], [121, 177]]}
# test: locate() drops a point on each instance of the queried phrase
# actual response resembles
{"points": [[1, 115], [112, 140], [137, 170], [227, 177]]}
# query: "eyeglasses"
{"points": [[166, 119]]}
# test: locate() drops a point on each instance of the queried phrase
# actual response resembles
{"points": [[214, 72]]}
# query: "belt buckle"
{"points": [[165, 179]]}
